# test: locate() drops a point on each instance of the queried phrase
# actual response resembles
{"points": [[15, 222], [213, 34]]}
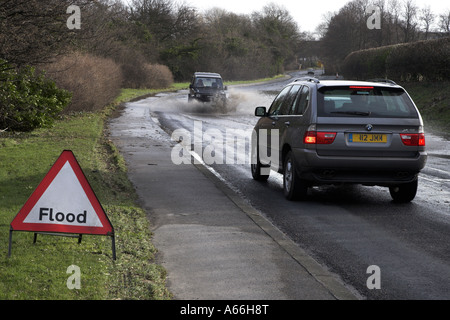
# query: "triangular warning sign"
{"points": [[63, 202]]}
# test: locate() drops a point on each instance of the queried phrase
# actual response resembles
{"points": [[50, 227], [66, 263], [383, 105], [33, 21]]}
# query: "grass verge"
{"points": [[39, 271], [238, 82], [433, 101]]}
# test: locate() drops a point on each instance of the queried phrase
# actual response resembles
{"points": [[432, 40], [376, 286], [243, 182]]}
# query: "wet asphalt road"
{"points": [[346, 228]]}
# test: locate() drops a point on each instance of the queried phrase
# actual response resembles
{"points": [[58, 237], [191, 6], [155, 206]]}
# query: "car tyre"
{"points": [[294, 187], [256, 166], [404, 193]]}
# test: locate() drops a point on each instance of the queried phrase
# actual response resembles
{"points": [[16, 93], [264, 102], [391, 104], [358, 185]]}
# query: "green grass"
{"points": [[38, 271], [130, 94], [433, 101], [229, 83]]}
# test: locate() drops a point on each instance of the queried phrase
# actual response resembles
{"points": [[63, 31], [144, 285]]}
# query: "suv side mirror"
{"points": [[260, 112], [190, 86]]}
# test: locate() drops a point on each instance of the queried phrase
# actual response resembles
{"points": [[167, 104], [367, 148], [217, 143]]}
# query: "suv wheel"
{"points": [[256, 166], [404, 192], [294, 188]]}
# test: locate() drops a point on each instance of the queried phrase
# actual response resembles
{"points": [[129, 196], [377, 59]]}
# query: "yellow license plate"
{"points": [[367, 137]]}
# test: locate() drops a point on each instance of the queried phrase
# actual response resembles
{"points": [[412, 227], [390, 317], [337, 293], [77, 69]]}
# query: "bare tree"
{"points": [[444, 22], [394, 14], [410, 20], [427, 18], [26, 31], [322, 28], [163, 20], [34, 31], [278, 30]]}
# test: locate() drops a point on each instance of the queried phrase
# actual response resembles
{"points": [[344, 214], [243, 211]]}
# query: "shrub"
{"points": [[157, 76], [94, 81], [141, 75], [27, 100]]}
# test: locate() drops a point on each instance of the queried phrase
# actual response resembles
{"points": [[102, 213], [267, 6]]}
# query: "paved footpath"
{"points": [[212, 243]]}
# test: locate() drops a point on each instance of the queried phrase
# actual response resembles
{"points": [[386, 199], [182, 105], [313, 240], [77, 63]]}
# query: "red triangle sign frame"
{"points": [[49, 219]]}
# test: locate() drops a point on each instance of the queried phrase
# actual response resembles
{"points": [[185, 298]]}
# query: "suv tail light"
{"points": [[319, 137], [413, 139]]}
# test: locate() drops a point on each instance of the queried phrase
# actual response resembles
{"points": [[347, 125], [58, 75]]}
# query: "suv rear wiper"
{"points": [[356, 113]]}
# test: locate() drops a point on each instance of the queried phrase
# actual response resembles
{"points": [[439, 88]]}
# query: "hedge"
{"points": [[416, 61]]}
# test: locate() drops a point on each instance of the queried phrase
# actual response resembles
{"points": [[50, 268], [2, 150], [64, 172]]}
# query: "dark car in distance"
{"points": [[336, 132], [207, 87]]}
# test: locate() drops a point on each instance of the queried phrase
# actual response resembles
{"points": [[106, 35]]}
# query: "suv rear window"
{"points": [[377, 102]]}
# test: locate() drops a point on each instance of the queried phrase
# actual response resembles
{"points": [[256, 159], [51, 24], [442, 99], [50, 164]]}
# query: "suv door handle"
{"points": [[287, 123]]}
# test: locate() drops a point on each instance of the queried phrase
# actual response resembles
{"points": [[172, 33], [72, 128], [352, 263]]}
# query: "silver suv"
{"points": [[333, 132]]}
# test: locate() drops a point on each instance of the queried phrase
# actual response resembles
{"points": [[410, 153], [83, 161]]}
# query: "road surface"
{"points": [[350, 230]]}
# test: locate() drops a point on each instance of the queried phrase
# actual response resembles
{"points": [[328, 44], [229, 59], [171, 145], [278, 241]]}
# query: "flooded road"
{"points": [[348, 229]]}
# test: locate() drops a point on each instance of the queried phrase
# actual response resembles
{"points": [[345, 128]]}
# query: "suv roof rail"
{"points": [[310, 79], [382, 80]]}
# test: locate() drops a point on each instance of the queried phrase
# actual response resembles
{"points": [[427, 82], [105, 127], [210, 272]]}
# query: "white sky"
{"points": [[307, 14]]}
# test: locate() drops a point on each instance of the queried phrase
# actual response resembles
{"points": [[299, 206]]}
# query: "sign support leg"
{"points": [[10, 242], [113, 245]]}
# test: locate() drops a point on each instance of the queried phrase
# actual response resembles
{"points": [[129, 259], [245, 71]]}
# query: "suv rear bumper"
{"points": [[383, 171]]}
